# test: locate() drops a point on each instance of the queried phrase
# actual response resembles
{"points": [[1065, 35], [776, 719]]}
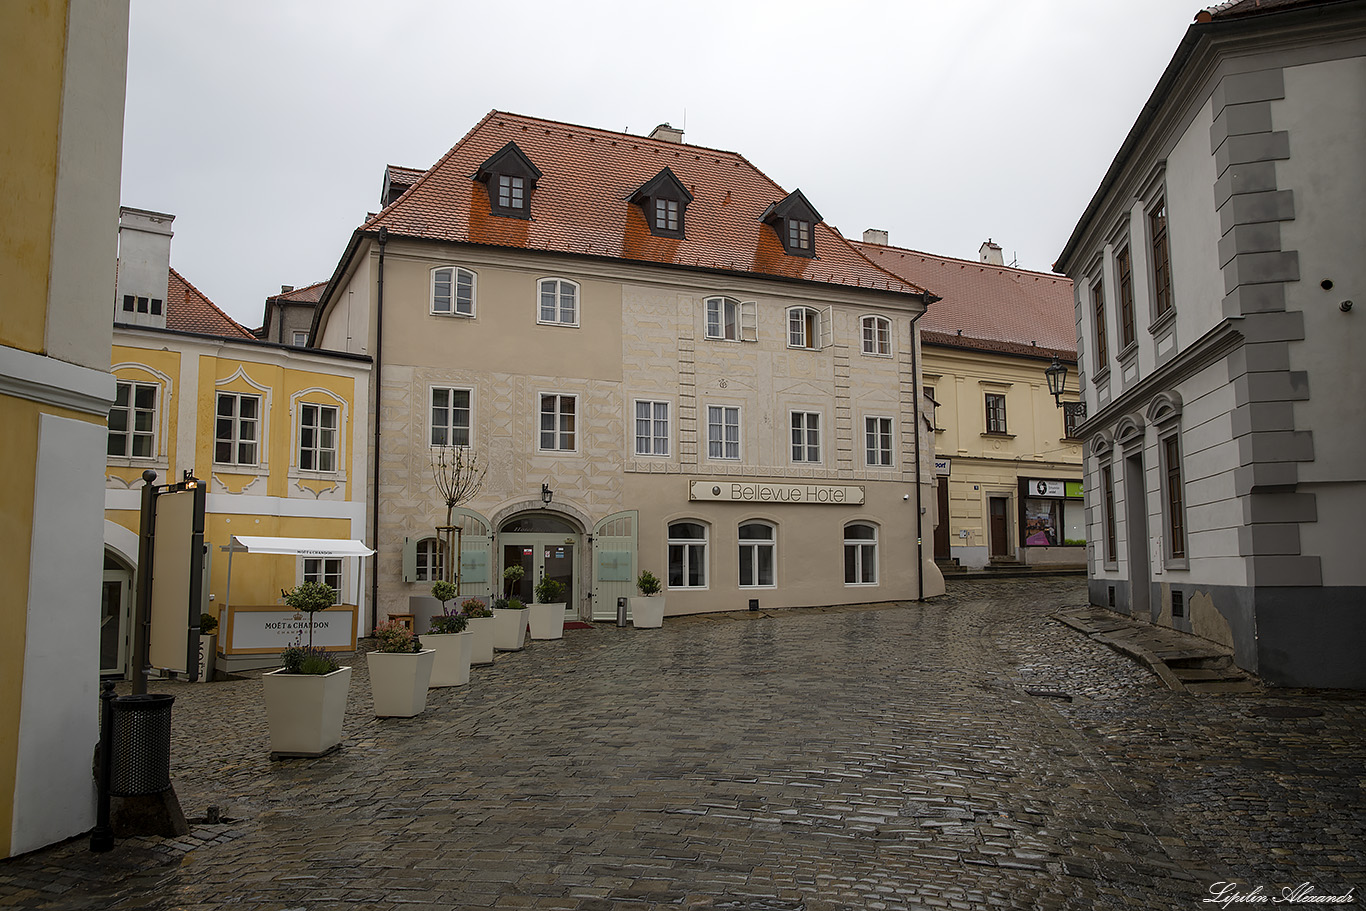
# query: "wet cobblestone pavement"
{"points": [[907, 757]]}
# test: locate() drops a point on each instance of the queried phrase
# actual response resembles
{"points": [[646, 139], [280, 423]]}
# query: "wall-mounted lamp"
{"points": [[1057, 379], [546, 494]]}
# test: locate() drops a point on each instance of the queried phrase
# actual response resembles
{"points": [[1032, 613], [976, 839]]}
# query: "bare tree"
{"points": [[459, 475]]}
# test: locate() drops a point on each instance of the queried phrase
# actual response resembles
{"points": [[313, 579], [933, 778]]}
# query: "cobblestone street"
{"points": [[885, 758]]}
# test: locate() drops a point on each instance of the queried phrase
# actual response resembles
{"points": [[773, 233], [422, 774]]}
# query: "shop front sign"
{"points": [[754, 492]]}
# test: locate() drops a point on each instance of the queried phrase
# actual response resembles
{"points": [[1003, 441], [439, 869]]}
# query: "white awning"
{"points": [[308, 547]]}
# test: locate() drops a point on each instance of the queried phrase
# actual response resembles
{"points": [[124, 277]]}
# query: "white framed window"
{"points": [[237, 426], [723, 432], [732, 320], [133, 421], [877, 336], [300, 338], [327, 570], [559, 414], [687, 555], [430, 560], [453, 291], [652, 428], [758, 555], [808, 327], [806, 436], [860, 554], [450, 421], [877, 438], [557, 302], [318, 437]]}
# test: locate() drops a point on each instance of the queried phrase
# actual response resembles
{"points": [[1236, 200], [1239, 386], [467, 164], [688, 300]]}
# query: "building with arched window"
{"points": [[660, 354]]}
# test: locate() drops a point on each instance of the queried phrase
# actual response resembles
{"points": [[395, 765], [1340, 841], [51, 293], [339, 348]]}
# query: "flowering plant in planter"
{"points": [[395, 638], [474, 608]]}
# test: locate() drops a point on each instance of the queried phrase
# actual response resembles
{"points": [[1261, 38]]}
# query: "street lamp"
{"points": [[1057, 379], [546, 494]]}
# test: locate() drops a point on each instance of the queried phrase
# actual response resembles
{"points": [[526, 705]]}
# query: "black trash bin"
{"points": [[141, 742]]}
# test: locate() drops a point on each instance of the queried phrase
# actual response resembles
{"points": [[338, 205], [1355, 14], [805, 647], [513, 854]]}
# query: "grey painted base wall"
{"points": [[1303, 637]]}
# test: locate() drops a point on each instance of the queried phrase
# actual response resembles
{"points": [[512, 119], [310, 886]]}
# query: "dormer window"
{"points": [[510, 178], [794, 221], [663, 200]]}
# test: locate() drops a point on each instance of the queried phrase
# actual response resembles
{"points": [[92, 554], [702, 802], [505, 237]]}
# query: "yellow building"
{"points": [[1009, 468], [63, 67], [272, 429]]}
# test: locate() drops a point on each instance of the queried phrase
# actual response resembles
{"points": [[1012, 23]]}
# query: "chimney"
{"points": [[144, 267], [875, 236], [667, 133], [991, 253]]}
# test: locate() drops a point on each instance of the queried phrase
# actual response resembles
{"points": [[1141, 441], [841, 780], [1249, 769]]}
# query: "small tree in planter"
{"points": [[547, 614], [449, 621], [453, 645], [311, 597], [400, 671], [459, 475], [647, 612], [512, 576]]}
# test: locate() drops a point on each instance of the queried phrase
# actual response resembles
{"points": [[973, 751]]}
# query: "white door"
{"points": [[614, 563]]}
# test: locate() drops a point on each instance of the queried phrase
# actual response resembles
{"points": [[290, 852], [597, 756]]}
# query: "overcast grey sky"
{"points": [[264, 125]]}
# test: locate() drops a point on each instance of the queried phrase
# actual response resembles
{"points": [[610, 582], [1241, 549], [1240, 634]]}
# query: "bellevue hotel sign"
{"points": [[751, 492]]}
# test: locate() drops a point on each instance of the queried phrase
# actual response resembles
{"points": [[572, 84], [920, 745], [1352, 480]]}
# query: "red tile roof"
{"points": [[988, 307], [189, 310], [309, 294], [581, 205], [1237, 9]]}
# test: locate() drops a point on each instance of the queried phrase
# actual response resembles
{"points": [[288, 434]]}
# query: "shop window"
{"points": [[757, 555], [687, 555], [1043, 522], [860, 554], [450, 417], [133, 421]]}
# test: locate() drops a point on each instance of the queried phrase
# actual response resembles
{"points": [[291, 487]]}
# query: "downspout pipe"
{"points": [[915, 406], [377, 382]]}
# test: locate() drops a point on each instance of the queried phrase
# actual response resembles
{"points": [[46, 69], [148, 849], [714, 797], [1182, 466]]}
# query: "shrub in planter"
{"points": [[547, 614], [393, 638], [400, 671], [647, 612], [306, 702], [481, 625], [475, 609], [208, 624], [549, 591]]}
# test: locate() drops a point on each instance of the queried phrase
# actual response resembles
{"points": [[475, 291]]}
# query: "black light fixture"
{"points": [[546, 494], [1057, 379]]}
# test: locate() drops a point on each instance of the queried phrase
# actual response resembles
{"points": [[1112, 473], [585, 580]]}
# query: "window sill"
{"points": [[304, 474], [126, 462], [1178, 564], [229, 468], [1101, 377], [1128, 352], [541, 322], [887, 356], [996, 435], [1163, 321], [452, 315]]}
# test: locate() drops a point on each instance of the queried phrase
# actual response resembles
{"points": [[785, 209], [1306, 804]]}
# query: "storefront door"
{"points": [[545, 546]]}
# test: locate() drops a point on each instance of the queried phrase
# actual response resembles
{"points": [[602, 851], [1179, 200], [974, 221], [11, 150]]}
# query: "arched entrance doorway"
{"points": [[545, 545]]}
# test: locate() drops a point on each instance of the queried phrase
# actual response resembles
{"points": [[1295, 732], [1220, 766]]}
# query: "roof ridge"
{"points": [[956, 259], [300, 288], [204, 297], [602, 132]]}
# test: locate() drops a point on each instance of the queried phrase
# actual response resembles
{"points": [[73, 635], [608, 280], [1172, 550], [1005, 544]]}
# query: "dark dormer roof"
{"points": [[781, 215], [509, 161], [666, 186], [396, 180]]}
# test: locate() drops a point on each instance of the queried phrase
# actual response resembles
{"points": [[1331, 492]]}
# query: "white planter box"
{"points": [[509, 631], [305, 711], [399, 681], [647, 613], [453, 650], [481, 630], [208, 652], [547, 621]]}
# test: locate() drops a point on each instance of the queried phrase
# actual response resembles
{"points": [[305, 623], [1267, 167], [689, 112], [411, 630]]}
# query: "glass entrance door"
{"points": [[540, 556], [115, 605]]}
